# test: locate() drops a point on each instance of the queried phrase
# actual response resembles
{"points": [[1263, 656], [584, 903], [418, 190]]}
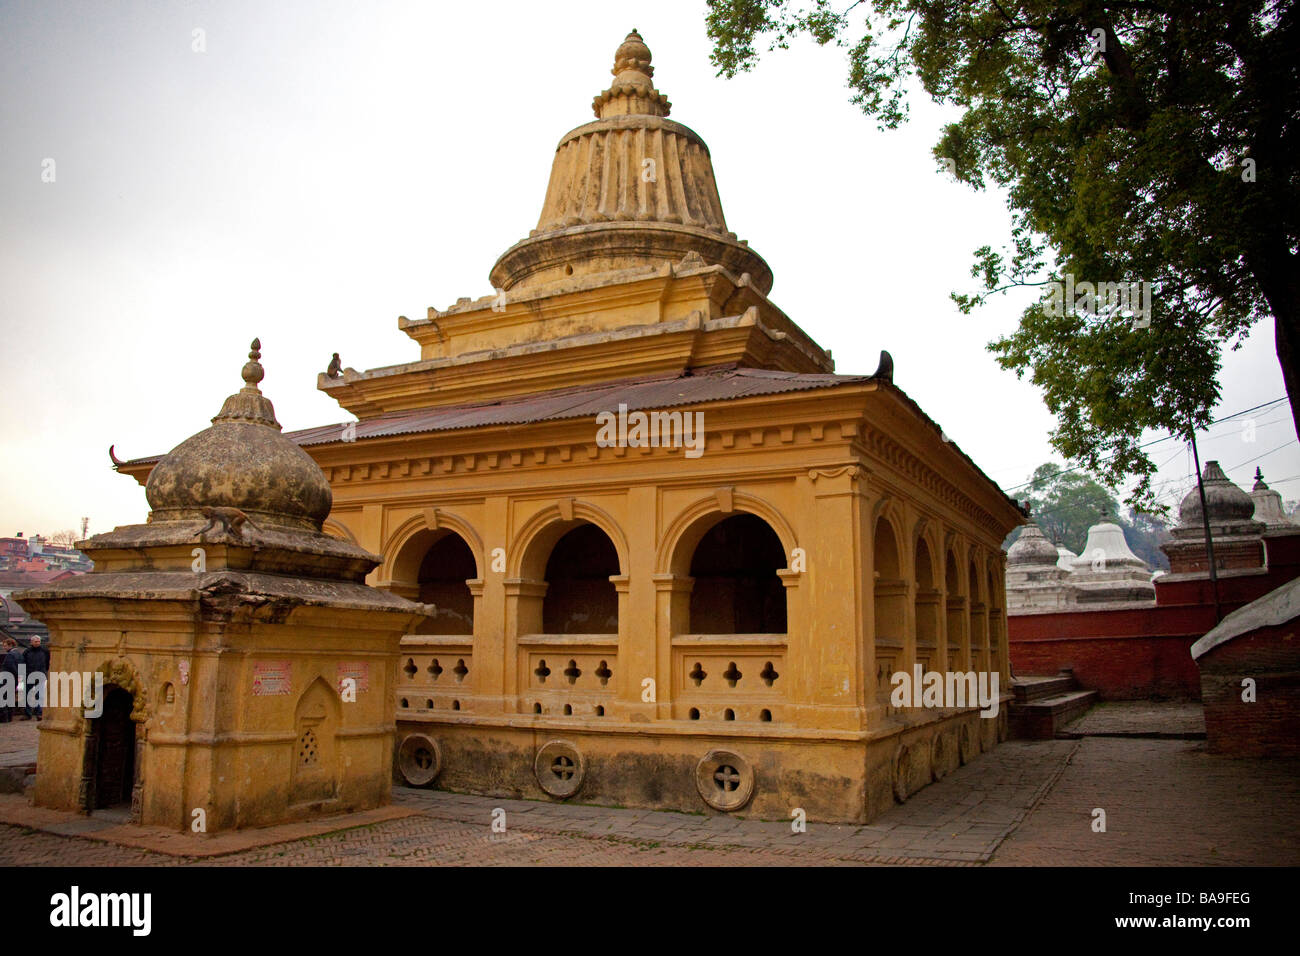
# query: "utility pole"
{"points": [[1205, 521], [85, 526]]}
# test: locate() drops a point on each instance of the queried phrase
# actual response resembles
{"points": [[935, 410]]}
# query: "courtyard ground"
{"points": [[1166, 801]]}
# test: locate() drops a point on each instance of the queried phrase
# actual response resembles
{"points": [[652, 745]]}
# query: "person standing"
{"points": [[37, 660], [11, 655]]}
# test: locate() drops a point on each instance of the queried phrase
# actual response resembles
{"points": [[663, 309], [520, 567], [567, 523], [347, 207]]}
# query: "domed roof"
{"points": [[1268, 504], [1031, 548], [242, 462], [1107, 550], [1225, 501], [632, 189], [1065, 558]]}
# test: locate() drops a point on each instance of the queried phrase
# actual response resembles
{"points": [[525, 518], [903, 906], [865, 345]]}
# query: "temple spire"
{"points": [[633, 91]]}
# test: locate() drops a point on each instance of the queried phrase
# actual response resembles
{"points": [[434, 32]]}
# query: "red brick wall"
{"points": [[1146, 651], [1270, 726], [1120, 667]]}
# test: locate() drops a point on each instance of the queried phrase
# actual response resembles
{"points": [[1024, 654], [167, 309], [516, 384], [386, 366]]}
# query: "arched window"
{"points": [[737, 589], [442, 579], [580, 597]]}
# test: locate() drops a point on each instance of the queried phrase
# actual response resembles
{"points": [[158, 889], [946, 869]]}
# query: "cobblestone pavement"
{"points": [[1026, 803], [1140, 718]]}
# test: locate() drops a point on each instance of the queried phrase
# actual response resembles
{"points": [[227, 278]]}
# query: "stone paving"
{"points": [[1140, 718], [18, 742], [1167, 802], [1027, 803]]}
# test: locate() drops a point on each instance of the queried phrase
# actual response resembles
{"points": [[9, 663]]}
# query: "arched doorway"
{"points": [[737, 589], [113, 744]]}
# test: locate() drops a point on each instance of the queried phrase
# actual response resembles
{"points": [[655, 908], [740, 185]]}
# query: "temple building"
{"points": [[676, 558]]}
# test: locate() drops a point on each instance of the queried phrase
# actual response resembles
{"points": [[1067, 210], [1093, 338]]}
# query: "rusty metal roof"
{"points": [[698, 386], [657, 392]]}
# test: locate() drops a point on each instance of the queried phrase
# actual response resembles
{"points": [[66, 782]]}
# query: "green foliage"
{"points": [[1122, 133], [1065, 504]]}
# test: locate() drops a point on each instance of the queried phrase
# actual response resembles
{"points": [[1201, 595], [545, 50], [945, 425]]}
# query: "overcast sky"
{"points": [[320, 168]]}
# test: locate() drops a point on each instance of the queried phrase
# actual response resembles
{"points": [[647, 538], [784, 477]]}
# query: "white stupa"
{"points": [[1035, 580], [1268, 505], [1107, 571]]}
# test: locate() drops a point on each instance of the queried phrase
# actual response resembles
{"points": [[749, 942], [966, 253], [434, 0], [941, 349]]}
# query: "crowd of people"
{"points": [[21, 663]]}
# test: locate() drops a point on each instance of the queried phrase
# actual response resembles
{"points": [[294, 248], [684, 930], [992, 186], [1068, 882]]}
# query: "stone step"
{"points": [[1033, 687], [1040, 719]]}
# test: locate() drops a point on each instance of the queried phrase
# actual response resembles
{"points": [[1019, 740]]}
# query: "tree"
{"points": [[1145, 534], [1065, 504], [1142, 141], [64, 539]]}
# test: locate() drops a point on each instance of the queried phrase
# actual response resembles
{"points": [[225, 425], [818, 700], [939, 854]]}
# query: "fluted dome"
{"points": [[631, 189], [1107, 549], [1225, 501], [242, 462], [1031, 548]]}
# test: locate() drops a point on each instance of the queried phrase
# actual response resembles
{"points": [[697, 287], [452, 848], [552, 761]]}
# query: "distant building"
{"points": [[14, 621]]}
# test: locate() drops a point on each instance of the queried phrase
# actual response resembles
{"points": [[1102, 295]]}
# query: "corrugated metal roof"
{"points": [[587, 401], [698, 387]]}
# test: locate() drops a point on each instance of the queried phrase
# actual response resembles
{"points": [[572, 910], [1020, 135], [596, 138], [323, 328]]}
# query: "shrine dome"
{"points": [[1031, 548], [241, 461], [1224, 500]]}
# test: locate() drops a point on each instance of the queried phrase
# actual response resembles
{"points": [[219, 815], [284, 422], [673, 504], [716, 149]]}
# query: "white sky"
{"points": [[326, 166]]}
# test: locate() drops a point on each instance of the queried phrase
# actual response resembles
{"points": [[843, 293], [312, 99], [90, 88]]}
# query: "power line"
{"points": [[1157, 441]]}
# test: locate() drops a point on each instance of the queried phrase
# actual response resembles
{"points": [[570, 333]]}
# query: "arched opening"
{"points": [[978, 622], [890, 604], [112, 747], [580, 597], [956, 615], [737, 589], [926, 608], [443, 580], [996, 620]]}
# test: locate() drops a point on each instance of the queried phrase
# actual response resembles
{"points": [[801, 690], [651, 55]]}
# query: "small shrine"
{"points": [[247, 670]]}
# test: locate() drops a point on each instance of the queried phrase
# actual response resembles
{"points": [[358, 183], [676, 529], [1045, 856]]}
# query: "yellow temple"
{"points": [[676, 558]]}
